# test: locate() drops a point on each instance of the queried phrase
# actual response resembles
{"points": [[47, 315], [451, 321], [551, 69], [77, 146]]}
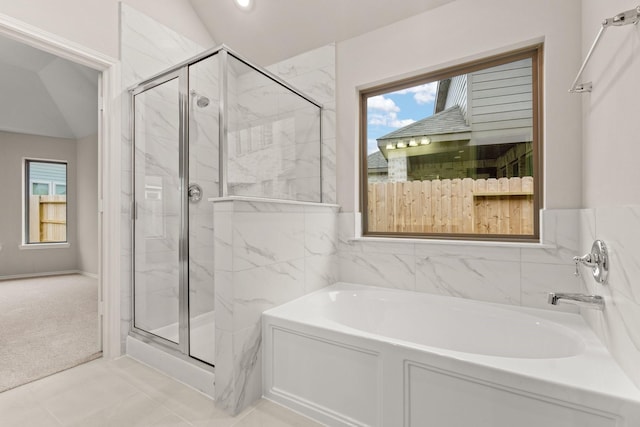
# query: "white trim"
{"points": [[36, 246], [86, 273], [109, 158]]}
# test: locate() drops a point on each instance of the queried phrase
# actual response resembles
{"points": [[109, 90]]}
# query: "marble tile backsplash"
{"points": [[618, 325], [507, 274]]}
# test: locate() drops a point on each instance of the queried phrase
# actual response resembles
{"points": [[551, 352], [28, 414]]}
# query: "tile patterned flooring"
{"points": [[126, 393]]}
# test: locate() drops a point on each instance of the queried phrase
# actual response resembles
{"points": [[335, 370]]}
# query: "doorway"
{"points": [[108, 167]]}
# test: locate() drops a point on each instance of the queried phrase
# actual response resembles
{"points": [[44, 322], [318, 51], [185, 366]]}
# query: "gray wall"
{"points": [[13, 149], [87, 197]]}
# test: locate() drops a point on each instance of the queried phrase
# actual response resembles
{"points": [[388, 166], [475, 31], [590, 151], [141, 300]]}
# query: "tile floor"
{"points": [[125, 393]]}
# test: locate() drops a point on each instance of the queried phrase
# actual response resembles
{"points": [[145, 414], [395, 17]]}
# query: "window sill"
{"points": [[485, 243], [32, 246]]}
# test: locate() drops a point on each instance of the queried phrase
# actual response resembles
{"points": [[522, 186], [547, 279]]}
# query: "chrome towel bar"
{"points": [[624, 18]]}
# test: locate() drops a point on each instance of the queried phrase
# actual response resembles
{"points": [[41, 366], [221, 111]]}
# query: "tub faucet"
{"points": [[581, 300]]}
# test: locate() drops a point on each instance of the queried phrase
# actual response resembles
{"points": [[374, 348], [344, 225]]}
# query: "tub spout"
{"points": [[588, 301]]}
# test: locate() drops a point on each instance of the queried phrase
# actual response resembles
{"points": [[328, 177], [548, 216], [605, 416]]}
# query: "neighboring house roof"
{"points": [[376, 162], [450, 120]]}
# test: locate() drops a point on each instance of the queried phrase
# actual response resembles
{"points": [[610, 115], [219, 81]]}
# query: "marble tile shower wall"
{"points": [[146, 48], [618, 326], [507, 274], [267, 253]]}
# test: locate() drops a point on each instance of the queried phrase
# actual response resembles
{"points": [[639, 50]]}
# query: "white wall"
{"points": [[87, 196], [95, 23], [13, 149], [458, 32], [611, 175], [610, 113]]}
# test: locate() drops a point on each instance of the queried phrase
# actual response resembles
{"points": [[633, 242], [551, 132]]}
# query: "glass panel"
{"points": [[39, 189], [46, 211], [454, 156], [273, 138], [157, 198], [60, 189], [203, 171]]}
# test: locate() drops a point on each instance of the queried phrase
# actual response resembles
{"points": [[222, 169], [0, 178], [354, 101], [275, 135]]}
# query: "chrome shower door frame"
{"points": [[181, 348]]}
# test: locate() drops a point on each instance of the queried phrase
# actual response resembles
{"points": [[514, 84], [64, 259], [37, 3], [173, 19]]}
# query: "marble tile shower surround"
{"points": [[146, 48], [267, 253], [618, 326], [508, 273]]}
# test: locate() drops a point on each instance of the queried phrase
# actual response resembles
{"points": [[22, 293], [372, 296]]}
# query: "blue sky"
{"points": [[388, 112]]}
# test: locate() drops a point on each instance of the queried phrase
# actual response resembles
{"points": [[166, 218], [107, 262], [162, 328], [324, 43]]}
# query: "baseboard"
{"points": [[44, 274], [86, 273]]}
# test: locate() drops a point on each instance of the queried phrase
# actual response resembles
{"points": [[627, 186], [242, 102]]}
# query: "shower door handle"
{"points": [[195, 193]]}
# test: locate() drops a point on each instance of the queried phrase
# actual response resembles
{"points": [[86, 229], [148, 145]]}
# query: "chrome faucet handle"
{"points": [[597, 260], [586, 259]]}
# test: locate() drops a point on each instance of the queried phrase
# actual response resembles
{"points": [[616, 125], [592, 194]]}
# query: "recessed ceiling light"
{"points": [[244, 4]]}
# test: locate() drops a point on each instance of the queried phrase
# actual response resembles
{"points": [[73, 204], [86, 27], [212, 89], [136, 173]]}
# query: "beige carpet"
{"points": [[47, 325]]}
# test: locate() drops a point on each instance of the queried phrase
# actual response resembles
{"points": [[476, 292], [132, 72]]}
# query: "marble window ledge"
{"points": [[481, 243]]}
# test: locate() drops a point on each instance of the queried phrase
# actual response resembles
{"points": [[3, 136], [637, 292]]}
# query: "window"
{"points": [[455, 153], [45, 201]]}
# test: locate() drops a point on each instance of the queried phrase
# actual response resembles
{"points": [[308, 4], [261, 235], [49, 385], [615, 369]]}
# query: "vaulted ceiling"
{"points": [[43, 94], [277, 29]]}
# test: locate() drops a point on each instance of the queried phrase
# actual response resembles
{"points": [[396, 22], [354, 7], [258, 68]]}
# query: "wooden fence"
{"points": [[487, 206], [47, 219]]}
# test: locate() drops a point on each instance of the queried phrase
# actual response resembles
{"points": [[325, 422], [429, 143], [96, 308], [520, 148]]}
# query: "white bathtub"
{"points": [[358, 355]]}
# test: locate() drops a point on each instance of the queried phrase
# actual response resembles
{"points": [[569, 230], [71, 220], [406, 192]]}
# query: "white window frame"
{"points": [[27, 182]]}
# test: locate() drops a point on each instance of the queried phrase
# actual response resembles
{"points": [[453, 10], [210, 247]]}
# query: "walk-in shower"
{"points": [[213, 126]]}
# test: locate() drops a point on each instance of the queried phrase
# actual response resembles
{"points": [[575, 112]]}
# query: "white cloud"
{"points": [[384, 112], [390, 119], [422, 94], [381, 103]]}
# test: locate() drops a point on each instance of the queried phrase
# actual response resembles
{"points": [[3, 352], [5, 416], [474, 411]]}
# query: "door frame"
{"points": [[109, 166]]}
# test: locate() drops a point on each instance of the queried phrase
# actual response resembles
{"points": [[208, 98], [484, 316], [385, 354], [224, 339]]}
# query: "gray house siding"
{"points": [[501, 97], [458, 95]]}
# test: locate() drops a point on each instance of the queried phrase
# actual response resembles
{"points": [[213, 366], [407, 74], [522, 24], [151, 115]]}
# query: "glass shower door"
{"points": [[204, 172], [157, 210]]}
